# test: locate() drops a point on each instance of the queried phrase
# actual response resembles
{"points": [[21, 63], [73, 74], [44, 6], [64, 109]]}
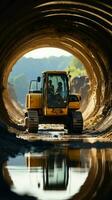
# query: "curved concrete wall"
{"points": [[83, 28]]}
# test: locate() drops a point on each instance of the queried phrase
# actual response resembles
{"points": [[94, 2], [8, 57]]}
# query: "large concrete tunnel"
{"points": [[83, 28]]}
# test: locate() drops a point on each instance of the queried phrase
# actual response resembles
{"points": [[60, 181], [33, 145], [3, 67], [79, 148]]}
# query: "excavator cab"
{"points": [[57, 90], [51, 102], [55, 93]]}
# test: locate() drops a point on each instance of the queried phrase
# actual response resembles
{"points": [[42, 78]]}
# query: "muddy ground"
{"points": [[22, 139]]}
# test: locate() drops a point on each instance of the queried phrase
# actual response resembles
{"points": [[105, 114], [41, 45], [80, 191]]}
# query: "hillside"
{"points": [[32, 68]]}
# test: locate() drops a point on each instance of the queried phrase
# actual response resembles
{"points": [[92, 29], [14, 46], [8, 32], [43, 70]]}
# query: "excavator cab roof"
{"points": [[54, 72]]}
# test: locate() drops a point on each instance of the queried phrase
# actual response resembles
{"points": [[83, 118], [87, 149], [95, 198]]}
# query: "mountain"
{"points": [[32, 68], [27, 69]]}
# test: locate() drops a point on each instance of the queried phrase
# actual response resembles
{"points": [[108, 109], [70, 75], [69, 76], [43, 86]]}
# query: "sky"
{"points": [[46, 53]]}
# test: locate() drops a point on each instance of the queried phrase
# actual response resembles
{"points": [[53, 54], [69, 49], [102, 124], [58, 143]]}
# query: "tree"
{"points": [[76, 68]]}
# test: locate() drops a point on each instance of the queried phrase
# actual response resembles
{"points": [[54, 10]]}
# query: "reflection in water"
{"points": [[60, 173]]}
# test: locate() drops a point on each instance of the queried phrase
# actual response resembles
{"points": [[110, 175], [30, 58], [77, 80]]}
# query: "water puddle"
{"points": [[57, 173]]}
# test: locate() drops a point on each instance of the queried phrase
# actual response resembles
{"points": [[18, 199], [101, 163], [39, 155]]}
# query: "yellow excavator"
{"points": [[49, 102]]}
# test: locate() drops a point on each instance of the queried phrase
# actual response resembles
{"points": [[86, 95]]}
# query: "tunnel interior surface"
{"points": [[83, 28]]}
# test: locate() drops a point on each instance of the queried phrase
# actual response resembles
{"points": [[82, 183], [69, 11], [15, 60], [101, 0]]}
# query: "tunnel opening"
{"points": [[32, 64], [81, 28]]}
